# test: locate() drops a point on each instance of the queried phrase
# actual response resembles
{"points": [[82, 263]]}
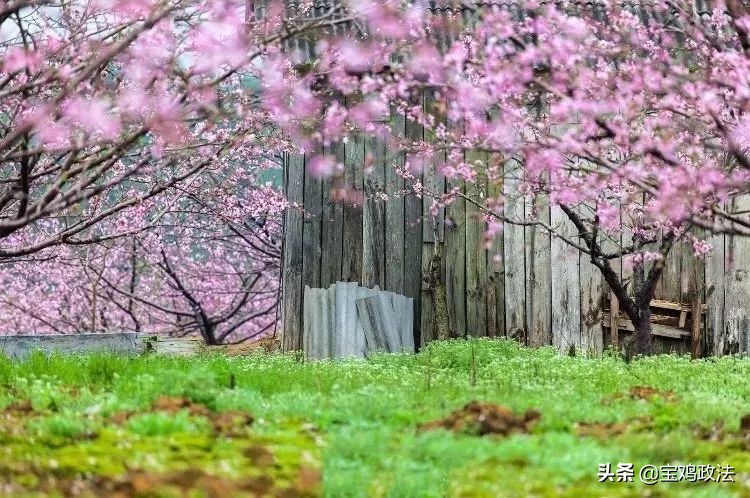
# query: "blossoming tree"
{"points": [[631, 123], [132, 143]]}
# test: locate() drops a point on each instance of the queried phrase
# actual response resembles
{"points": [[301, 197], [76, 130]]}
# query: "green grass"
{"points": [[358, 422]]}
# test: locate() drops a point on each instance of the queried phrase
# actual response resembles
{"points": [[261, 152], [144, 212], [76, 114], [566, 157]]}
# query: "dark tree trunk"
{"points": [[642, 342]]}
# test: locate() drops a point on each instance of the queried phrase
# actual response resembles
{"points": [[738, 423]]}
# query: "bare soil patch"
{"points": [[485, 418]]}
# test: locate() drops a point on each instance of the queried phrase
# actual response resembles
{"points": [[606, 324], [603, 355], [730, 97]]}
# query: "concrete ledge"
{"points": [[19, 346]]}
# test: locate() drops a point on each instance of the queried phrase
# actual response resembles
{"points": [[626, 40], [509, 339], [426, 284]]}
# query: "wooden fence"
{"points": [[541, 291]]}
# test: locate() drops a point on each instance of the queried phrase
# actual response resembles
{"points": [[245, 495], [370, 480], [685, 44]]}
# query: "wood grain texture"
{"points": [[669, 287], [311, 231], [539, 284], [514, 249], [373, 217], [332, 224], [715, 289], [413, 234], [736, 332], [394, 212], [611, 243], [427, 318], [495, 265], [566, 293], [476, 254], [593, 295], [353, 178], [291, 302], [455, 261]]}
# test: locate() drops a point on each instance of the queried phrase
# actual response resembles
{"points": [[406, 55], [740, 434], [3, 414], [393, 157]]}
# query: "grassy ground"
{"points": [[241, 426]]}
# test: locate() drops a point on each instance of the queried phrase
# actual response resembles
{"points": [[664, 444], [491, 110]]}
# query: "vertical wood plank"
{"points": [[394, 212], [353, 178], [455, 260], [514, 253], [332, 224], [311, 231], [592, 289], [413, 237], [495, 263], [433, 179], [736, 289], [696, 331], [566, 296], [373, 265], [476, 254], [627, 241], [693, 290], [427, 319], [614, 321], [611, 243], [291, 339], [433, 225], [539, 284], [669, 286], [714, 284]]}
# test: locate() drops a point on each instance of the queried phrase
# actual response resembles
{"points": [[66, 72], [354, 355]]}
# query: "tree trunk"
{"points": [[641, 341]]}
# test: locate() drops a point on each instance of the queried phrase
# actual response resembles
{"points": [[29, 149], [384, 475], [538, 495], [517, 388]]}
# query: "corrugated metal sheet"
{"points": [[332, 327]]}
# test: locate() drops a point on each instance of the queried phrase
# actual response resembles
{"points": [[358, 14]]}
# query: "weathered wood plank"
{"points": [[332, 224], [714, 284], [394, 211], [495, 264], [351, 270], [413, 234], [454, 261], [693, 288], [656, 328], [593, 295], [538, 267], [476, 254], [291, 308], [566, 292], [373, 257], [672, 278], [433, 180], [614, 321], [433, 226], [428, 314], [611, 243], [736, 290], [311, 230], [514, 253]]}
